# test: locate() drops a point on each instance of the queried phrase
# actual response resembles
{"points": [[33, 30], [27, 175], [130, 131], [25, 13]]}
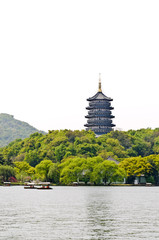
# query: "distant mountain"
{"points": [[11, 129]]}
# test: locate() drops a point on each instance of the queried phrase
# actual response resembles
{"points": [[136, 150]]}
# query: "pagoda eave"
{"points": [[99, 96], [90, 99], [99, 108]]}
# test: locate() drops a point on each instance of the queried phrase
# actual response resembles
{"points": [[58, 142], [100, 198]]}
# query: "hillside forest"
{"points": [[11, 129], [65, 156]]}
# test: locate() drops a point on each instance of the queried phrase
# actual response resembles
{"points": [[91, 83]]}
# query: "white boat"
{"points": [[44, 186], [30, 185], [7, 184]]}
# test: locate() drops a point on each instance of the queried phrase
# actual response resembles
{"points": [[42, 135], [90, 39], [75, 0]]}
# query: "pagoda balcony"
{"points": [[107, 104], [102, 113], [99, 115], [99, 111], [99, 108], [99, 104], [100, 122]]}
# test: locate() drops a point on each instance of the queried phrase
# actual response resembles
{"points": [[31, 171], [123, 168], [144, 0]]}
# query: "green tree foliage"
{"points": [[42, 169], [54, 173], [107, 172], [138, 166], [156, 145], [87, 149], [32, 157], [71, 170], [58, 147], [142, 141], [154, 161], [23, 170], [2, 161], [60, 152], [93, 170], [141, 147], [6, 172], [105, 155]]}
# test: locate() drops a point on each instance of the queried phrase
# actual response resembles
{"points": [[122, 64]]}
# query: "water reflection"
{"points": [[83, 213], [99, 218]]}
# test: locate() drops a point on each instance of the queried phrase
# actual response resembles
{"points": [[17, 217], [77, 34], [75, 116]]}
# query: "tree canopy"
{"points": [[62, 156]]}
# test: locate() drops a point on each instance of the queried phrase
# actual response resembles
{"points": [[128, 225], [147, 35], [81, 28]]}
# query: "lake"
{"points": [[83, 213]]}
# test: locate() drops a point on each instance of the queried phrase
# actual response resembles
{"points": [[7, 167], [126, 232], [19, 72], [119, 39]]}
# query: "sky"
{"points": [[51, 54]]}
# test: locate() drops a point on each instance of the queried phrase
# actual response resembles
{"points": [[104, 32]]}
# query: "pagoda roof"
{"points": [[99, 96]]}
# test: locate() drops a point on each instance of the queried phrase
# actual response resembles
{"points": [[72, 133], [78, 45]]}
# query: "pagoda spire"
{"points": [[100, 85]]}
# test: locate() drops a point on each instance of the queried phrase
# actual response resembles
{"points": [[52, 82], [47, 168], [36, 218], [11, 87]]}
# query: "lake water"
{"points": [[81, 213]]}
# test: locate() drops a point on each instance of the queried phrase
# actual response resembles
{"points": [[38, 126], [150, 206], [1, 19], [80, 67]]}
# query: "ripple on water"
{"points": [[79, 213]]}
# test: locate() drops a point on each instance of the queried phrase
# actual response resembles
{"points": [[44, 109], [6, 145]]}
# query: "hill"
{"points": [[11, 129]]}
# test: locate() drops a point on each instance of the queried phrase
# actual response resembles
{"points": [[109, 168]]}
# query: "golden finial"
{"points": [[100, 88]]}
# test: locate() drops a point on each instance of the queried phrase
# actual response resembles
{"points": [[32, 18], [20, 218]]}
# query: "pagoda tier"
{"points": [[99, 113]]}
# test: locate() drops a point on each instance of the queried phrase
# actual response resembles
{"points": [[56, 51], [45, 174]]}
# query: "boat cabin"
{"points": [[44, 185], [7, 184], [29, 185]]}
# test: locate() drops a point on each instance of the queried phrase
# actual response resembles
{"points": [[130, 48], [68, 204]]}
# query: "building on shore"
{"points": [[99, 118]]}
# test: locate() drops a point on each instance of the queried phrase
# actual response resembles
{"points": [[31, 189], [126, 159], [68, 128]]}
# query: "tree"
{"points": [[104, 155], [124, 138], [154, 161], [87, 149], [71, 170], [61, 139], [23, 170], [60, 152], [42, 169], [6, 172], [142, 147], [136, 166], [112, 145], [107, 172], [32, 157], [2, 161], [89, 166], [78, 169], [54, 173], [156, 145]]}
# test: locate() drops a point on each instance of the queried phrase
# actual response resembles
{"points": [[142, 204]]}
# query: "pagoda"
{"points": [[99, 118]]}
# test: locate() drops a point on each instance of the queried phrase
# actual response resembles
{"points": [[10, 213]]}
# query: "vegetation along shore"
{"points": [[65, 156]]}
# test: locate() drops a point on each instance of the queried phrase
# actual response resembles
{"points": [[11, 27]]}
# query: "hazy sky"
{"points": [[51, 54]]}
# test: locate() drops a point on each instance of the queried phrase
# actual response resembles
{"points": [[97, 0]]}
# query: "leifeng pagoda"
{"points": [[99, 118]]}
